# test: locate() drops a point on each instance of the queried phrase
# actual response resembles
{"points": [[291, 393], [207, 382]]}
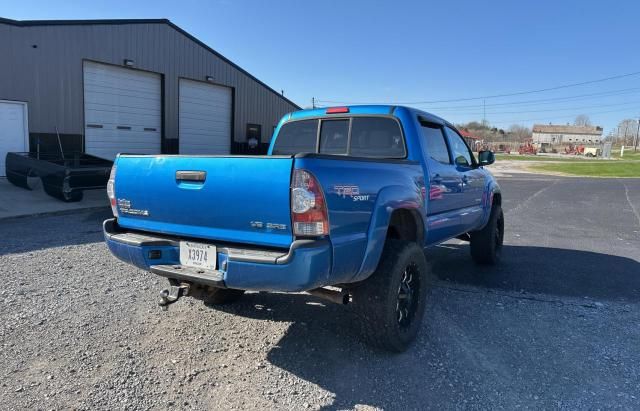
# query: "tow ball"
{"points": [[172, 294]]}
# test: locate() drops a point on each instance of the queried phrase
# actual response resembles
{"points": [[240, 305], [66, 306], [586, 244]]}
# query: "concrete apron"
{"points": [[16, 201]]}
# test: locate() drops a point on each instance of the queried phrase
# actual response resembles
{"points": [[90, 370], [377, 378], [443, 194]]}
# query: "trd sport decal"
{"points": [[350, 191]]}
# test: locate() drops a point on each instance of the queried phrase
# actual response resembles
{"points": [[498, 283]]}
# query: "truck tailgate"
{"points": [[234, 199]]}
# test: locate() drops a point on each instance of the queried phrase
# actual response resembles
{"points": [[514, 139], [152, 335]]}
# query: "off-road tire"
{"points": [[486, 244], [376, 300], [220, 296]]}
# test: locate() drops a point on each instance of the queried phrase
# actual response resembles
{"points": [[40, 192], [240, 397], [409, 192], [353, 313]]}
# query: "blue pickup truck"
{"points": [[342, 207]]}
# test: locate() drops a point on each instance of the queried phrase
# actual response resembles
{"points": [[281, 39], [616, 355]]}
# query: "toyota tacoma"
{"points": [[343, 207]]}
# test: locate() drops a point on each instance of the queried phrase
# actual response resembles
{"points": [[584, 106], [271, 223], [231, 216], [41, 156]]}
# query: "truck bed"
{"points": [[63, 177]]}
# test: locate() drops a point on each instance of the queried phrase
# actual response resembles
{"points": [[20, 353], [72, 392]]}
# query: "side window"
{"points": [[376, 137], [435, 144], [334, 135], [459, 150], [297, 137]]}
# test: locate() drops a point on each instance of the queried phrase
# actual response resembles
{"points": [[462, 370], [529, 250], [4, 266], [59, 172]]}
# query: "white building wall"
{"points": [[558, 138]]}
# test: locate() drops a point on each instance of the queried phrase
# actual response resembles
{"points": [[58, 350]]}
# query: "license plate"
{"points": [[198, 255]]}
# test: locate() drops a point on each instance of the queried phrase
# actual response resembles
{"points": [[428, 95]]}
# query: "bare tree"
{"points": [[582, 120], [519, 133], [626, 131]]}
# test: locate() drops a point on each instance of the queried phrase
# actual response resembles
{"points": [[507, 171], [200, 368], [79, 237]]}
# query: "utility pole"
{"points": [[484, 112], [313, 102]]}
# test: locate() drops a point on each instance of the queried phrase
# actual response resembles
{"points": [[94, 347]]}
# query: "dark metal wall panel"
{"points": [[49, 76]]}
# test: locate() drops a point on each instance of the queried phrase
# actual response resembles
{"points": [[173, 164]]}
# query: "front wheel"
{"points": [[486, 244], [391, 302]]}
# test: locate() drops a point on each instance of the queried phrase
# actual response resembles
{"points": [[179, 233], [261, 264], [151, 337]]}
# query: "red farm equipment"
{"points": [[528, 148]]}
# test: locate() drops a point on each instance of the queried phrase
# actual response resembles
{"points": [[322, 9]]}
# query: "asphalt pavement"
{"points": [[555, 325]]}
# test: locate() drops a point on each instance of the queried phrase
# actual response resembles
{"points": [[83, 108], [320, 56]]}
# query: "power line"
{"points": [[567, 116], [484, 114], [546, 100], [518, 93]]}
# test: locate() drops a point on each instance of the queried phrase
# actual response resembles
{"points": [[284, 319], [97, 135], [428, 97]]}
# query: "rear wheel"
{"points": [[486, 244], [392, 300]]}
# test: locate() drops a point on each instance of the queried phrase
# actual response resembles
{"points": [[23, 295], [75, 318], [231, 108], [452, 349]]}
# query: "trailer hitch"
{"points": [[172, 294]]}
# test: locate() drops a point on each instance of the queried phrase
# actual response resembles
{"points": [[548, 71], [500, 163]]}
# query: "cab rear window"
{"points": [[368, 137], [297, 137]]}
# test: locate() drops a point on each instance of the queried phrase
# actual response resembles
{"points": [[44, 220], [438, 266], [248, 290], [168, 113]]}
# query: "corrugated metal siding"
{"points": [[49, 77]]}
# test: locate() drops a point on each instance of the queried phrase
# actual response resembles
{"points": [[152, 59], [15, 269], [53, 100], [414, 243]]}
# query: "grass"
{"points": [[627, 166], [593, 168], [518, 157], [628, 154]]}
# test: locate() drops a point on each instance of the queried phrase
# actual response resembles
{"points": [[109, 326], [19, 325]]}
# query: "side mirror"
{"points": [[486, 158]]}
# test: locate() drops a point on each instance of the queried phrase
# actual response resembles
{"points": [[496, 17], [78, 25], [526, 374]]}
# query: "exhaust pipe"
{"points": [[337, 297]]}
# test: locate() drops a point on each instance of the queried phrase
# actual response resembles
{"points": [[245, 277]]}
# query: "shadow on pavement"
{"points": [[40, 232], [543, 270], [322, 345]]}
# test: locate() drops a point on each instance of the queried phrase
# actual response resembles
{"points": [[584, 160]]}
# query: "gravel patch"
{"points": [[81, 330]]}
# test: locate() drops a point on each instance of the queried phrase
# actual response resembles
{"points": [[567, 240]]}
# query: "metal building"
{"points": [[566, 134], [136, 86]]}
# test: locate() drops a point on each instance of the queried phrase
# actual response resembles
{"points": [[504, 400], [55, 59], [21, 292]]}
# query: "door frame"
{"points": [[25, 111]]}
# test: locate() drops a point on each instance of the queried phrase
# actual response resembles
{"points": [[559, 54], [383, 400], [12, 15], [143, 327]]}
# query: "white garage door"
{"points": [[122, 111], [14, 129], [205, 118]]}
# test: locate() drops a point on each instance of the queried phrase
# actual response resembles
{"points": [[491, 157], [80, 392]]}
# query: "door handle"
{"points": [[193, 176]]}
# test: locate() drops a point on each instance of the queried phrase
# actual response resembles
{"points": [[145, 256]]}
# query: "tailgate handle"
{"points": [[195, 176]]}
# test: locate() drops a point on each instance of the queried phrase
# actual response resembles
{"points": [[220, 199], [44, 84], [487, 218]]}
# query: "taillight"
{"points": [[111, 191], [308, 206]]}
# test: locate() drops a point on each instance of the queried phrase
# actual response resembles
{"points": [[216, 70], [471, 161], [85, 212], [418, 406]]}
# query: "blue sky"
{"points": [[374, 51]]}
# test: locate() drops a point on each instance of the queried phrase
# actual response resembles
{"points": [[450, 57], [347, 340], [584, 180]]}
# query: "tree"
{"points": [[626, 131], [519, 133], [475, 125], [582, 120]]}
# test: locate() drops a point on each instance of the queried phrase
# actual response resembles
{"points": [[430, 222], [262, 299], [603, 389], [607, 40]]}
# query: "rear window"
{"points": [[372, 137], [334, 136], [376, 137], [297, 137]]}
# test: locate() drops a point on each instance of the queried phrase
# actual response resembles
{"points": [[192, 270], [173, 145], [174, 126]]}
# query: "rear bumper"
{"points": [[305, 266]]}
